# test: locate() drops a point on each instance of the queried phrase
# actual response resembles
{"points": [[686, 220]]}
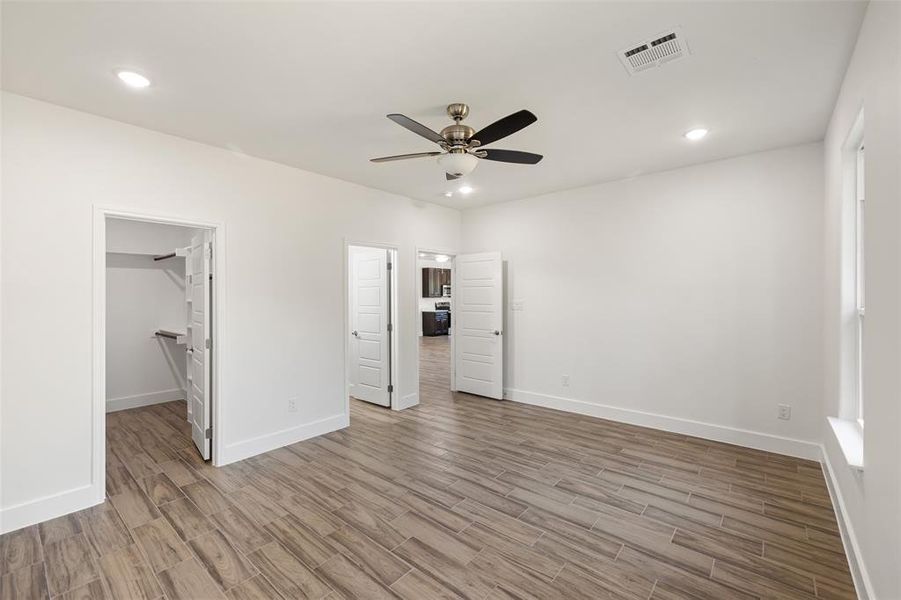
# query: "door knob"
{"points": [[496, 332], [355, 334]]}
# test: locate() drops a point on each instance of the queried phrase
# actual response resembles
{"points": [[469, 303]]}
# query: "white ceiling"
{"points": [[309, 84]]}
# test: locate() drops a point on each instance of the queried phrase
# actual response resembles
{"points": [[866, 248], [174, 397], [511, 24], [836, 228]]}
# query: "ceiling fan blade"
{"points": [[451, 177], [504, 127], [403, 157], [415, 127], [511, 156]]}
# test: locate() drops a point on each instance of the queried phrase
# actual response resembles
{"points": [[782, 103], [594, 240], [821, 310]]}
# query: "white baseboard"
{"points": [[264, 443], [862, 583], [407, 401], [709, 431], [48, 507], [126, 402]]}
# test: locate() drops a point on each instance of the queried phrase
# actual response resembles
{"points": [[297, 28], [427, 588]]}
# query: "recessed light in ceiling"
{"points": [[448, 194], [695, 134], [132, 79], [465, 189]]}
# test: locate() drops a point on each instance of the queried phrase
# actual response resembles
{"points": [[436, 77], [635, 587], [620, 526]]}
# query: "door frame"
{"points": [[393, 335], [417, 290], [98, 404]]}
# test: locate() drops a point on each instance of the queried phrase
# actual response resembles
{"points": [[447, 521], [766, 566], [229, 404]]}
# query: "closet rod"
{"points": [[166, 334], [165, 256]]}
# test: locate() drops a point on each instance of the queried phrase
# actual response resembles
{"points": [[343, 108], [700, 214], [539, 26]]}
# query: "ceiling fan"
{"points": [[462, 145]]}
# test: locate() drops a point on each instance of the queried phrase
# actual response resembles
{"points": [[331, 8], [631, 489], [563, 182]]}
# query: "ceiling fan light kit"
{"points": [[458, 163], [462, 145]]}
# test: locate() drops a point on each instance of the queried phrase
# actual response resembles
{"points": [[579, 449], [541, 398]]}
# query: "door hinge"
{"points": [[390, 266], [208, 250], [208, 433], [390, 388], [390, 327], [206, 343]]}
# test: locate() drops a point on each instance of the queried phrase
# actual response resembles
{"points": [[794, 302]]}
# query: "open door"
{"points": [[478, 324], [199, 392], [370, 326]]}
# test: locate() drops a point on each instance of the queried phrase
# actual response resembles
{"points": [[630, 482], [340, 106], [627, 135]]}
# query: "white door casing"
{"points": [[201, 358], [370, 317], [478, 324]]}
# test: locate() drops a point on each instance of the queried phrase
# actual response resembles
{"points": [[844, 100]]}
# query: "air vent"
{"points": [[662, 48]]}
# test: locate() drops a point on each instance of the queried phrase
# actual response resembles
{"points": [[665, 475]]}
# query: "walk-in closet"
{"points": [[158, 354]]}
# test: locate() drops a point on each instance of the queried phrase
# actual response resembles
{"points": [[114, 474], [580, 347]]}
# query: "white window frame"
{"points": [[847, 426], [859, 274]]}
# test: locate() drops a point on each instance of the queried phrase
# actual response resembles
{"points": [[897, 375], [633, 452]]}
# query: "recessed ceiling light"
{"points": [[465, 189], [448, 194], [695, 134], [132, 79]]}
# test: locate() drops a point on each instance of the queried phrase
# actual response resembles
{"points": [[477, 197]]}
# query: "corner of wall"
{"points": [[285, 437]]}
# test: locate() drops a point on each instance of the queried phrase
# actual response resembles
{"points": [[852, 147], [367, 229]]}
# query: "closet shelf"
{"points": [[180, 338], [178, 252]]}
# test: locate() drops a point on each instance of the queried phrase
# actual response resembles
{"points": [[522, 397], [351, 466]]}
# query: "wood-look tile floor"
{"points": [[461, 497]]}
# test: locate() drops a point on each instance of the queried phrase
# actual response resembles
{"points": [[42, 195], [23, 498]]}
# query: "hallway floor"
{"points": [[461, 497]]}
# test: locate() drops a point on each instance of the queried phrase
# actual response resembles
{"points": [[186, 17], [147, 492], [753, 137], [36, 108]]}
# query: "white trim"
{"points": [[849, 435], [47, 507], [407, 401], [709, 431], [148, 399], [291, 435], [862, 583]]}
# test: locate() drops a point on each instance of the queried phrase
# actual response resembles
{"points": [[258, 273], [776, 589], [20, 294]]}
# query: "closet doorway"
{"points": [[156, 356]]}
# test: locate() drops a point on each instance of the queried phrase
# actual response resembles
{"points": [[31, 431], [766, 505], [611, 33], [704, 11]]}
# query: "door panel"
{"points": [[370, 311], [478, 324], [201, 357]]}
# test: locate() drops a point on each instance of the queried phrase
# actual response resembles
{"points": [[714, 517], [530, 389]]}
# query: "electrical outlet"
{"points": [[785, 412], [292, 404], [564, 379]]}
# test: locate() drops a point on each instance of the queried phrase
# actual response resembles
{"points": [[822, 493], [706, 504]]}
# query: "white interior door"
{"points": [[370, 317], [199, 393], [478, 324]]}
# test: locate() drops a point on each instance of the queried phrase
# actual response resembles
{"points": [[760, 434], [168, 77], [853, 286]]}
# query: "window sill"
{"points": [[850, 439]]}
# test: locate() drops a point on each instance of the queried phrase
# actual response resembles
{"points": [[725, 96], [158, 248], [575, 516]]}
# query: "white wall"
{"points": [[284, 269], [670, 299], [871, 500], [143, 295]]}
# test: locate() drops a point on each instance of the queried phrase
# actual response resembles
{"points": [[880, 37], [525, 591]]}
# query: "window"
{"points": [[848, 424], [859, 271]]}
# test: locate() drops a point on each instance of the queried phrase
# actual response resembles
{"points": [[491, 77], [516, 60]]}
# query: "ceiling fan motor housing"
{"points": [[457, 134]]}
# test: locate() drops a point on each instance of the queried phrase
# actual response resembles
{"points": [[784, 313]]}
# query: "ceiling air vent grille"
{"points": [[664, 47]]}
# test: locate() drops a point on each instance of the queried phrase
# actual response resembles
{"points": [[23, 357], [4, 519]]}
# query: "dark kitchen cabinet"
{"points": [[433, 281], [436, 322]]}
